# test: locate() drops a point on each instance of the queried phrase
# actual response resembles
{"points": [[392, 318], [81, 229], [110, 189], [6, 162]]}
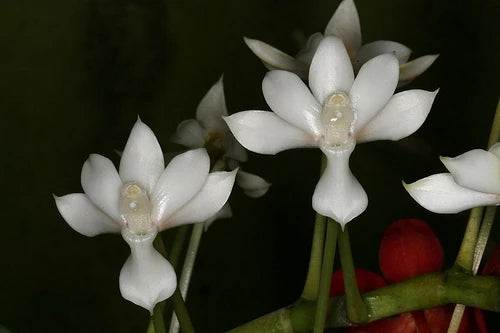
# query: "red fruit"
{"points": [[365, 279], [409, 248], [439, 318]]}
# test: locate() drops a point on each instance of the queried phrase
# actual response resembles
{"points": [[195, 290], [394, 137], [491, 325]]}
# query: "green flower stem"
{"points": [[157, 322], [176, 300], [332, 228], [178, 245], [465, 257], [421, 292], [356, 308], [175, 253], [474, 241], [181, 312], [187, 269], [484, 234], [310, 291]]}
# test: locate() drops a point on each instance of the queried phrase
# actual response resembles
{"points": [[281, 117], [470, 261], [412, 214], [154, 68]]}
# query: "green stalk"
{"points": [[421, 292], [326, 275], [356, 308], [310, 291], [465, 257], [187, 269], [484, 233], [481, 240], [178, 245]]}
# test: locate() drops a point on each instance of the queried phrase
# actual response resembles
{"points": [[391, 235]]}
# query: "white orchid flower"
{"points": [[345, 25], [473, 181], [339, 112], [209, 130], [142, 199]]}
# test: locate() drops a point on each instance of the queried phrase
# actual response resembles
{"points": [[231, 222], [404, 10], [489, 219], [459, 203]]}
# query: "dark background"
{"points": [[75, 74]]}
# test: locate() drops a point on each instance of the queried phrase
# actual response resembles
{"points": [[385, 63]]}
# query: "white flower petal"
{"points": [[212, 107], [207, 202], [345, 25], [495, 149], [182, 179], [253, 185], [403, 115], [142, 159], [306, 54], [265, 133], [146, 278], [373, 49], [190, 134], [373, 87], [275, 58], [440, 194], [477, 169], [236, 151], [412, 69], [288, 96], [224, 213], [83, 216], [101, 183], [338, 194], [331, 70]]}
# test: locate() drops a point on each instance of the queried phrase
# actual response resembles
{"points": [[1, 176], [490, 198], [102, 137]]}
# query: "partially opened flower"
{"points": [[473, 181], [345, 25], [339, 112], [209, 130], [142, 199]]}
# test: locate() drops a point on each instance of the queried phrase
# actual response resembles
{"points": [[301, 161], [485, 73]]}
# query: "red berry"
{"points": [[409, 248]]}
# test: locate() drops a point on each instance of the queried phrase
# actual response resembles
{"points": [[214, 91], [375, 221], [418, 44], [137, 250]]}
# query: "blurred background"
{"points": [[75, 74]]}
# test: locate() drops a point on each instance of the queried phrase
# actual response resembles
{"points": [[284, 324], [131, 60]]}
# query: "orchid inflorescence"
{"points": [[334, 94]]}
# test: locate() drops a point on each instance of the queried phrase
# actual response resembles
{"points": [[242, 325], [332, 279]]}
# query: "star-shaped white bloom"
{"points": [[345, 25], [473, 181], [142, 199], [339, 112], [209, 130]]}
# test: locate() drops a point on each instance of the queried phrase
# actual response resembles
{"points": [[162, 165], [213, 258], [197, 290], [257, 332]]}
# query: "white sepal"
{"points": [[190, 134], [373, 87], [142, 159], [403, 115], [181, 180], [83, 216], [212, 107], [345, 25], [290, 99], [441, 194], [476, 169], [265, 133], [254, 186], [331, 69], [208, 201]]}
